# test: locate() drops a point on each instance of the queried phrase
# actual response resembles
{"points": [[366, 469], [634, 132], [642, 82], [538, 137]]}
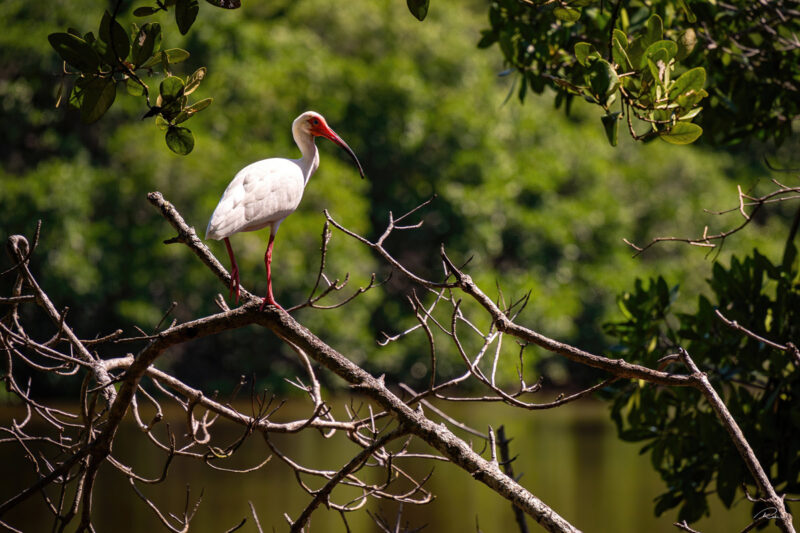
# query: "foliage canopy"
{"points": [[728, 69]]}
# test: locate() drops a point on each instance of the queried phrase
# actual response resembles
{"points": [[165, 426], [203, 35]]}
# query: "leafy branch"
{"points": [[115, 56]]}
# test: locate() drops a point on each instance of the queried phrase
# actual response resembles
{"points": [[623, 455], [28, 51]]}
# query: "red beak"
{"points": [[322, 130]]}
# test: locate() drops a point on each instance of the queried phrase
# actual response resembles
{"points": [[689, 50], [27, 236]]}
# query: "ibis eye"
{"points": [[315, 122]]}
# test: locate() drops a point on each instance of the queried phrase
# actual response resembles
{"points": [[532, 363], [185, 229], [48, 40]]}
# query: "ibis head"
{"points": [[312, 124]]}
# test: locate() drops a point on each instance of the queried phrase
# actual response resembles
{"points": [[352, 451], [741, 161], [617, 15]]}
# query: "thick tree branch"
{"points": [[283, 325]]}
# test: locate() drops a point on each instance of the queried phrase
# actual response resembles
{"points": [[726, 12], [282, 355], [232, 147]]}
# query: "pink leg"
{"points": [[269, 299], [235, 286]]}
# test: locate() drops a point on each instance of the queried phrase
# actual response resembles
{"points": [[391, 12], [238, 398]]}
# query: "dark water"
{"points": [[569, 457]]}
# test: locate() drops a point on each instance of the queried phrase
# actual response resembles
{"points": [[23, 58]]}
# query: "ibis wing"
{"points": [[260, 195]]}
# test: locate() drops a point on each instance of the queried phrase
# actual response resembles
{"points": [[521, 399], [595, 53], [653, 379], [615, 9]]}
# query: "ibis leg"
{"points": [[235, 286], [269, 299]]}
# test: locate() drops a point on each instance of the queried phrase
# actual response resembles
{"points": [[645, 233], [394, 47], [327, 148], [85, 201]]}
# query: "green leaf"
{"points": [[146, 41], [690, 99], [653, 31], [582, 51], [691, 114], [665, 502], [690, 16], [98, 95], [171, 88], [75, 51], [658, 68], [180, 140], [226, 4], [114, 35], [76, 95], [185, 14], [621, 37], [194, 80], [488, 38], [652, 51], [603, 79], [691, 80], [176, 55], [682, 133], [187, 112], [635, 52], [567, 14], [418, 8], [154, 60], [611, 125], [161, 123], [145, 11], [133, 87], [686, 42], [620, 55]]}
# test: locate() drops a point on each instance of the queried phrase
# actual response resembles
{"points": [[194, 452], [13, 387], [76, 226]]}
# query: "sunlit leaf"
{"points": [[603, 79], [691, 80], [691, 114], [670, 48], [690, 99], [654, 30], [187, 112], [567, 14], [682, 133], [161, 123], [176, 55], [621, 37], [582, 51], [620, 55], [171, 88], [657, 63], [194, 80], [133, 87]]}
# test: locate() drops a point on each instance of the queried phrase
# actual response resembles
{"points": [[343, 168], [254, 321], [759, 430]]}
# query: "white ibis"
{"points": [[264, 193]]}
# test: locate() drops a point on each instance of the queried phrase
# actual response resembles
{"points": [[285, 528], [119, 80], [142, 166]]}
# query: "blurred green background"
{"points": [[539, 201]]}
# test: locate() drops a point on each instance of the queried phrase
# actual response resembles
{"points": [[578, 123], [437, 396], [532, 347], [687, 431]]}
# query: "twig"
{"points": [[782, 517], [506, 460]]}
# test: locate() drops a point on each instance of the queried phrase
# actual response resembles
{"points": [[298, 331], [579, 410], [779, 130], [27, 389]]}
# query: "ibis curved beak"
{"points": [[322, 130]]}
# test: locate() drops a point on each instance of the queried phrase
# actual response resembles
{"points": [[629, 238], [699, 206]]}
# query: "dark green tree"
{"points": [[667, 68]]}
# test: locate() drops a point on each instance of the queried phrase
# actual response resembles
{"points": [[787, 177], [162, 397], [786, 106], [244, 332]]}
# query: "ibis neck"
{"points": [[310, 160]]}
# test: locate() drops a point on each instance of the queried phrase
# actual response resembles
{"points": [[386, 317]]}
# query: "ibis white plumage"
{"points": [[264, 193]]}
